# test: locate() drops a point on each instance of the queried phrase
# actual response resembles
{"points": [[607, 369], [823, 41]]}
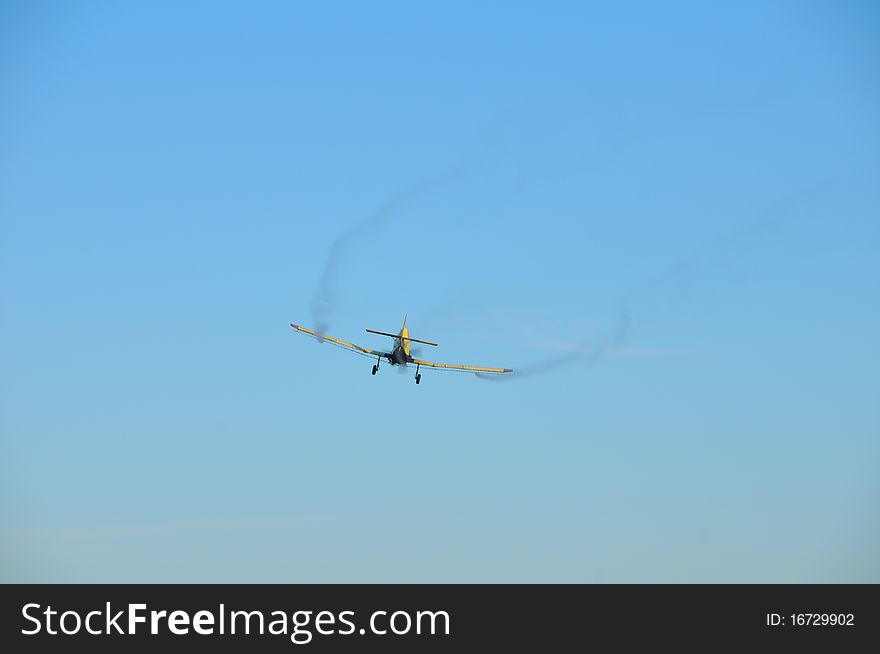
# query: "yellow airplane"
{"points": [[400, 354]]}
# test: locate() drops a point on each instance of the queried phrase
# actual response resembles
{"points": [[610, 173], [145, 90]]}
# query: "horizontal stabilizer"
{"points": [[407, 338]]}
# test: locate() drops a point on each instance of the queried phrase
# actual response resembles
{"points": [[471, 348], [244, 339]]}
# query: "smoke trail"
{"points": [[712, 253], [324, 298], [737, 241], [585, 353]]}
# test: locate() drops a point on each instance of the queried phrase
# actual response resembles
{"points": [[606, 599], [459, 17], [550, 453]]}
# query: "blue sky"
{"points": [[679, 201]]}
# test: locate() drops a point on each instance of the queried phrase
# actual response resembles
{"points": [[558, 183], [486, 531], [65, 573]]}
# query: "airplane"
{"points": [[400, 354]]}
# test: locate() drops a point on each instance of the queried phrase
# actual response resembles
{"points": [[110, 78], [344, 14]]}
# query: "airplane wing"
{"points": [[451, 366], [343, 344]]}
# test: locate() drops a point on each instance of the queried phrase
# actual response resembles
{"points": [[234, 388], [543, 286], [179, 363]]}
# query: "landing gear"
{"points": [[376, 365], [418, 376]]}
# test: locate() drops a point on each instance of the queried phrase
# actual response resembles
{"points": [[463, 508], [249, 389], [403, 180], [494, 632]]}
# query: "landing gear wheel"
{"points": [[375, 368], [418, 379]]}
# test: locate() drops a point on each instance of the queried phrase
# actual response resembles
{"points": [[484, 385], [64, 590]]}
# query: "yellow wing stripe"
{"points": [[451, 366], [324, 337]]}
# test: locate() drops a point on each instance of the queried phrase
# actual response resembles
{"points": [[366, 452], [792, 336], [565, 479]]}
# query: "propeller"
{"points": [[415, 352]]}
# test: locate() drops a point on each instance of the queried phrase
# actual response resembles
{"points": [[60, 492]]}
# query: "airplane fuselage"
{"points": [[400, 354]]}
